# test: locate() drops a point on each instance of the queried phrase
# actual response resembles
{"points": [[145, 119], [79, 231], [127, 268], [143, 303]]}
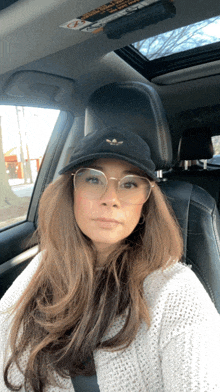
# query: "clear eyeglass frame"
{"points": [[112, 178]]}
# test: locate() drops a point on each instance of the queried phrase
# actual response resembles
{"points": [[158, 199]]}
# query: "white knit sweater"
{"points": [[180, 352]]}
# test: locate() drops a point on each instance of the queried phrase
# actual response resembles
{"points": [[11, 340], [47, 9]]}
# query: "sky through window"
{"points": [[179, 40]]}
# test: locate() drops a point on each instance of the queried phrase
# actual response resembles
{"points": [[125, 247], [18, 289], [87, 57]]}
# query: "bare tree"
{"points": [[7, 197], [177, 40], [21, 145]]}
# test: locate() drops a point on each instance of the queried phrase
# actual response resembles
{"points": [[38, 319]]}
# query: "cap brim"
{"points": [[92, 157]]}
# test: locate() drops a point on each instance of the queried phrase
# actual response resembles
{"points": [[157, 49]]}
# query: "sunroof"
{"points": [[180, 40]]}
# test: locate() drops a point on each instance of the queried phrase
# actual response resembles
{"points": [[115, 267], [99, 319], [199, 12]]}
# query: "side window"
{"points": [[215, 160], [24, 135]]}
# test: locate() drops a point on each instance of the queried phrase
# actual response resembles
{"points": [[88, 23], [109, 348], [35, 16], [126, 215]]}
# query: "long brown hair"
{"points": [[68, 306]]}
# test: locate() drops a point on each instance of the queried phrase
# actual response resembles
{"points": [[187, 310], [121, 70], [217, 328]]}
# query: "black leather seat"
{"points": [[138, 107], [196, 144]]}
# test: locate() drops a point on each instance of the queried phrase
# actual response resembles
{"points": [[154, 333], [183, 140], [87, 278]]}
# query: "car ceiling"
{"points": [[30, 30], [32, 39]]}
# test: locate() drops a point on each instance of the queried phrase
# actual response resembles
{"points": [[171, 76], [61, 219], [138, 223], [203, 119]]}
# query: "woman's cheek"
{"points": [[82, 209], [133, 214]]}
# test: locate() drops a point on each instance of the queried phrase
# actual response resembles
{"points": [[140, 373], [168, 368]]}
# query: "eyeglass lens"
{"points": [[131, 189]]}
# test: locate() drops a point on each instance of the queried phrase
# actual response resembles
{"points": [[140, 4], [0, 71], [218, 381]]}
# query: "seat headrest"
{"points": [[137, 107], [195, 143]]}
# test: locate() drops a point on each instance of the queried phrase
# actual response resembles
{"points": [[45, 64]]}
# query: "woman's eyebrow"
{"points": [[133, 171], [93, 166], [124, 172]]}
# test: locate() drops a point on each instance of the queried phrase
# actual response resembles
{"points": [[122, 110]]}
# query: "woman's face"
{"points": [[107, 221]]}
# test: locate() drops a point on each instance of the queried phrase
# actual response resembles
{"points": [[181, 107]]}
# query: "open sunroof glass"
{"points": [[180, 40]]}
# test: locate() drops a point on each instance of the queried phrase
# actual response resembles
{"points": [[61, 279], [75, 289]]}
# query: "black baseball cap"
{"points": [[112, 143]]}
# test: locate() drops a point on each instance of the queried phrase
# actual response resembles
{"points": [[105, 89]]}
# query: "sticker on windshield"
{"points": [[95, 20]]}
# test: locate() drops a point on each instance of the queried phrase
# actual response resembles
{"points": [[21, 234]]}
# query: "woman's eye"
{"points": [[129, 185], [93, 180]]}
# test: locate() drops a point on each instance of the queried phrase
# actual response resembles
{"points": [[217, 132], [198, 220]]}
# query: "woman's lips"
{"points": [[107, 220], [107, 223]]}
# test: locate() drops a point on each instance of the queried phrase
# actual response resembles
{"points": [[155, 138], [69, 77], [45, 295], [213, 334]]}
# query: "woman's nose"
{"points": [[110, 195]]}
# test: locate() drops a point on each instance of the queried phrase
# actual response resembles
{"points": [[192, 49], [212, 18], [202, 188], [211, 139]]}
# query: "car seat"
{"points": [[196, 144], [137, 107]]}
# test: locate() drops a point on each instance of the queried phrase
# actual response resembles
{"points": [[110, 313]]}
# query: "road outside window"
{"points": [[24, 135]]}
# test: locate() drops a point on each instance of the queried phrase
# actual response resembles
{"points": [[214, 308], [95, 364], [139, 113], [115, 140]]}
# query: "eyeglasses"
{"points": [[131, 189]]}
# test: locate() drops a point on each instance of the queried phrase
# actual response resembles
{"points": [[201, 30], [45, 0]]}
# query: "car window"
{"points": [[216, 144], [24, 135], [179, 40], [215, 160]]}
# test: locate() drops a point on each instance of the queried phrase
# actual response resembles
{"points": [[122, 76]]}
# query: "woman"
{"points": [[107, 305]]}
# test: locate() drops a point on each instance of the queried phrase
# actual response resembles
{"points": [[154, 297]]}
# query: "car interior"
{"points": [[86, 59]]}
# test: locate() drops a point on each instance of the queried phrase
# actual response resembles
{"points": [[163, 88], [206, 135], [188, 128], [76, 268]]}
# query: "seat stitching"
{"points": [[202, 206]]}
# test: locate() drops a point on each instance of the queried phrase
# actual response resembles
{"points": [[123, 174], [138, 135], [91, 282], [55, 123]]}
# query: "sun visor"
{"points": [[41, 86]]}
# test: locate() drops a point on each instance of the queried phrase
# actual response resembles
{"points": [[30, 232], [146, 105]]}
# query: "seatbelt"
{"points": [[85, 383]]}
